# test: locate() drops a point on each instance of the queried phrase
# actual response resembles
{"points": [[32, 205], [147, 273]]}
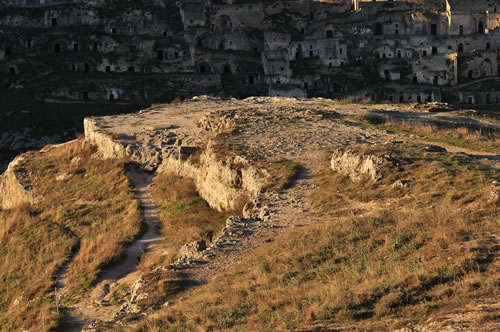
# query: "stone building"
{"points": [[156, 50]]}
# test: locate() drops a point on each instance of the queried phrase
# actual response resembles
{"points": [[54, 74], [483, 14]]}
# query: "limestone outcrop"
{"points": [[15, 185], [357, 165], [95, 134], [224, 183], [192, 250]]}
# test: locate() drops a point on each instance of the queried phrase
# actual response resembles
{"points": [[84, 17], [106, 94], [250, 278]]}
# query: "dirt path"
{"points": [[92, 307]]}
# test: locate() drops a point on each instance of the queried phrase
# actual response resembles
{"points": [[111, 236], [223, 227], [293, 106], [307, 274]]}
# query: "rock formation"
{"points": [[357, 165]]}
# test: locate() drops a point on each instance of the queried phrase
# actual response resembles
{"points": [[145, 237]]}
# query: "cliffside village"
{"points": [[157, 50]]}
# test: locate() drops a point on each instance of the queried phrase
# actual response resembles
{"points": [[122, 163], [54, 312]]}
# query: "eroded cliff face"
{"points": [[226, 182], [15, 185], [95, 134]]}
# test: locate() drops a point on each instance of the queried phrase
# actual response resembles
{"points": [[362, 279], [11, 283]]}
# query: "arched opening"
{"points": [[108, 69], [131, 69], [460, 48], [399, 54], [401, 98], [415, 79], [160, 55], [224, 21], [378, 29], [12, 71], [57, 48], [221, 46], [488, 46], [386, 75], [470, 74], [87, 67], [203, 69], [111, 96], [54, 22], [251, 79], [227, 69], [435, 80], [329, 34], [76, 47], [480, 27], [434, 50]]}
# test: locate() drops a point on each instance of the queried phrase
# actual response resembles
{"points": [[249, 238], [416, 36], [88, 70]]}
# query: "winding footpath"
{"points": [[86, 311]]}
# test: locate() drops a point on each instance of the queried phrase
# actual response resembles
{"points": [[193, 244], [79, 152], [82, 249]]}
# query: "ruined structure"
{"points": [[156, 50]]}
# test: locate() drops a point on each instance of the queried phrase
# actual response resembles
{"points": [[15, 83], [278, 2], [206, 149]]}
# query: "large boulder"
{"points": [[15, 185], [192, 250], [357, 165]]}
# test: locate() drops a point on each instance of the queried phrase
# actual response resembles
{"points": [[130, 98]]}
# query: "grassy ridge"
{"points": [[92, 205], [463, 137], [389, 255]]}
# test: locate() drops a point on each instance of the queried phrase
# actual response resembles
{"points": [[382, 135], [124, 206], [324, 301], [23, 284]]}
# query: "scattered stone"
{"points": [[192, 250], [494, 192], [439, 107], [64, 177], [17, 301], [435, 148], [400, 184]]}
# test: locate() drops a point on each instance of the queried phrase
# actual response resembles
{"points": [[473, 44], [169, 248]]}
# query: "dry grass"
{"points": [[283, 174], [481, 139], [94, 206], [392, 256], [185, 216]]}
